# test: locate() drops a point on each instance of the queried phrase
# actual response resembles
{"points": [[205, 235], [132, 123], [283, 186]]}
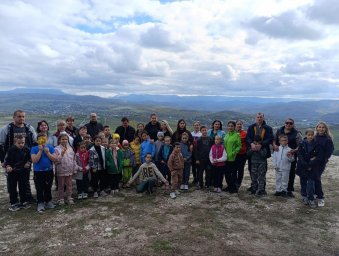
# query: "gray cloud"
{"points": [[325, 11]]}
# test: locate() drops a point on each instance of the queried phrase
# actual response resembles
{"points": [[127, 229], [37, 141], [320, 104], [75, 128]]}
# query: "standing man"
{"points": [[265, 132], [7, 134], [153, 127], [125, 131], [93, 127]]}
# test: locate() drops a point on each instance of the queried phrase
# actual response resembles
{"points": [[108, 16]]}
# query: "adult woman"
{"points": [[232, 145], [181, 128], [196, 134], [241, 158], [61, 127], [166, 128], [43, 127], [140, 130], [323, 137], [294, 139], [216, 130]]}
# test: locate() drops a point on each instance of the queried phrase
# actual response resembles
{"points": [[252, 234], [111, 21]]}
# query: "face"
{"points": [[289, 124], [82, 148], [104, 142], [64, 140], [239, 126], [216, 126], [167, 141], [321, 129], [70, 122], [116, 141], [182, 125], [148, 158], [177, 148], [93, 118], [107, 131], [61, 127], [161, 138], [283, 141], [19, 118], [43, 127], [218, 140], [20, 143], [184, 139], [144, 136], [140, 127], [163, 126], [113, 145], [259, 119], [125, 124], [87, 140], [230, 127], [310, 136], [136, 140], [97, 142], [82, 132], [154, 119], [196, 126], [204, 132]]}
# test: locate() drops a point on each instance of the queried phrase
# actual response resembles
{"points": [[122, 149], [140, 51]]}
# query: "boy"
{"points": [[164, 153], [147, 174], [17, 165], [176, 165], [258, 166], [107, 132], [114, 161], [202, 150], [186, 151], [79, 138], [158, 145], [282, 164]]}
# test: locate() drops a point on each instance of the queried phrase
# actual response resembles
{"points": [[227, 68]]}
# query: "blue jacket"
{"points": [[161, 155], [146, 147], [185, 151], [326, 145]]}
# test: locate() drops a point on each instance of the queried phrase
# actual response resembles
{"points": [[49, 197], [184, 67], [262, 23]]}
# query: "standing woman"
{"points": [[196, 134], [241, 157], [294, 139], [232, 145], [166, 128], [61, 127], [324, 138], [140, 129], [216, 130], [43, 127], [181, 128]]}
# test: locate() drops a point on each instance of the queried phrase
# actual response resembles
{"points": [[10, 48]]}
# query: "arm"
{"points": [[136, 175], [169, 162]]}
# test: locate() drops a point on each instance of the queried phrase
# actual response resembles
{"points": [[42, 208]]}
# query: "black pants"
{"points": [[194, 170], [218, 175], [43, 185], [15, 178], [98, 180], [291, 178], [114, 180], [82, 185], [240, 162], [231, 176], [205, 165]]}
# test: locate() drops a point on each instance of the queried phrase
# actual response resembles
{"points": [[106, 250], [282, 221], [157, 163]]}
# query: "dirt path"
{"points": [[196, 223]]}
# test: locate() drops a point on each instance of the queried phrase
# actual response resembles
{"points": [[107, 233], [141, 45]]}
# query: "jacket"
{"points": [[136, 150], [257, 157], [266, 136], [175, 162], [219, 154], [125, 133], [112, 168], [185, 151], [146, 147], [306, 167], [94, 162], [162, 156], [326, 144], [17, 158], [232, 145], [202, 149], [281, 160], [66, 164], [93, 128]]}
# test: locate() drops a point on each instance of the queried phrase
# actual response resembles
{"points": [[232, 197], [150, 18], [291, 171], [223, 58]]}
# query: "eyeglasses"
{"points": [[290, 123]]}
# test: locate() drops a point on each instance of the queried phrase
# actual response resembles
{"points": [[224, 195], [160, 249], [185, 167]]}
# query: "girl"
{"points": [[186, 151], [166, 128], [82, 179], [65, 167], [43, 127], [324, 138], [241, 158], [135, 146], [97, 166], [218, 158], [181, 128], [140, 129], [232, 145], [196, 134], [128, 162], [114, 161], [158, 144], [216, 130]]}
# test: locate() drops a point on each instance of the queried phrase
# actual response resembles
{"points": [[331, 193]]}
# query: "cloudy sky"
{"points": [[267, 48]]}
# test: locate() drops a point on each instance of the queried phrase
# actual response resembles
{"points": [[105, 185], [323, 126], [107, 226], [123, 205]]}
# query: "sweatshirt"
{"points": [[146, 147], [175, 162], [147, 171], [281, 160], [203, 147], [65, 164]]}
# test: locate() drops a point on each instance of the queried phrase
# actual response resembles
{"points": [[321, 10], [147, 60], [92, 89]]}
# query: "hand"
{"points": [[197, 162], [313, 158], [40, 147], [275, 148], [3, 165], [253, 147], [94, 170], [9, 169], [46, 149], [27, 165], [151, 141]]}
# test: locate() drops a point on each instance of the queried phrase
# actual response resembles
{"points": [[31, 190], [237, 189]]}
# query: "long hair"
{"points": [[168, 127], [327, 130]]}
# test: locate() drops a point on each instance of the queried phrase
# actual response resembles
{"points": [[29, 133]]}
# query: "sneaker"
{"points": [[177, 192], [61, 202], [305, 200], [283, 193], [103, 193], [218, 190], [14, 208], [290, 194], [84, 195], [95, 195], [321, 202], [24, 205], [70, 201], [182, 186], [116, 191], [312, 204], [173, 195], [215, 190], [185, 187], [80, 196], [41, 207], [50, 205], [260, 193], [277, 193]]}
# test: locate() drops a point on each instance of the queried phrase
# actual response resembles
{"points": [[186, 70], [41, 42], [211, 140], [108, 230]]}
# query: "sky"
{"points": [[266, 48]]}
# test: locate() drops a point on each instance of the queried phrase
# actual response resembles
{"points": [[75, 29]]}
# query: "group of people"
{"points": [[153, 155]]}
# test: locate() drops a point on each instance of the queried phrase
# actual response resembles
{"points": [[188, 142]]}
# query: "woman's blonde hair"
{"points": [[327, 130], [168, 127]]}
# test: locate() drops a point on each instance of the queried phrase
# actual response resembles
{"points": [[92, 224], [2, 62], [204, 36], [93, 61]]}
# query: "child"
{"points": [[128, 162], [218, 158], [309, 161], [82, 179], [147, 146], [147, 174], [114, 161], [282, 164], [97, 167], [79, 138], [176, 165], [116, 139], [163, 156], [65, 167], [258, 167], [107, 133], [43, 157], [104, 142], [186, 151], [135, 146], [87, 139], [158, 144], [202, 150], [17, 165]]}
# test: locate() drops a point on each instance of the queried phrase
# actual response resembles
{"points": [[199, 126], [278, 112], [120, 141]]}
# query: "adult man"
{"points": [[265, 132], [93, 127], [70, 128], [125, 131], [7, 134], [153, 127], [294, 139]]}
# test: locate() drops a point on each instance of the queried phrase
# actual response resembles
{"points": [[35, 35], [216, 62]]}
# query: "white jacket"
{"points": [[281, 160]]}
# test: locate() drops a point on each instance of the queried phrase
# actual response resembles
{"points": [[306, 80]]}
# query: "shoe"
{"points": [[173, 195], [103, 193], [312, 204], [95, 195], [70, 201], [283, 193], [41, 207], [215, 190], [305, 200], [321, 202], [50, 205], [290, 194], [14, 208], [277, 193], [84, 195], [260, 193], [24, 205], [61, 202], [182, 186], [226, 189], [80, 196], [185, 187], [218, 190], [116, 191], [177, 192], [249, 189]]}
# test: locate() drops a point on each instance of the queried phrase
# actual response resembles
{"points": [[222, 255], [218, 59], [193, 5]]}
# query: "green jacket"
{"points": [[110, 165], [232, 143]]}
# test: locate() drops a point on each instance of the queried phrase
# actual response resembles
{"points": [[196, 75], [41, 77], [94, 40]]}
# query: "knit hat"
{"points": [[160, 134], [125, 142]]}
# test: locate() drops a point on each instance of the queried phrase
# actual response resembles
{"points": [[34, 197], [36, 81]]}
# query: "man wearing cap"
{"points": [[125, 131], [93, 127]]}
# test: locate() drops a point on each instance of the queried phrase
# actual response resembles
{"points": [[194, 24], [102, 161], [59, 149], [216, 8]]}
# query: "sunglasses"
{"points": [[290, 123]]}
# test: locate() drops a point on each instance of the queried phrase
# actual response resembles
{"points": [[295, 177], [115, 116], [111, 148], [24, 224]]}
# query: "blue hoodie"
{"points": [[146, 147]]}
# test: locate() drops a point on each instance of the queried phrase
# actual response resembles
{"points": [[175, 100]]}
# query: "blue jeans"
{"points": [[186, 173], [307, 188]]}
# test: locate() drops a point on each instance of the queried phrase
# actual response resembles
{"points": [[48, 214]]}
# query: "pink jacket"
{"points": [[65, 165]]}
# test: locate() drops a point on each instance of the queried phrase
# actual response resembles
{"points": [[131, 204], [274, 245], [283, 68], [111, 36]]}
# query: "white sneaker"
{"points": [[321, 202], [70, 201], [61, 202], [103, 193], [80, 196], [182, 186], [84, 195], [116, 191], [173, 195], [95, 195], [185, 187], [177, 192]]}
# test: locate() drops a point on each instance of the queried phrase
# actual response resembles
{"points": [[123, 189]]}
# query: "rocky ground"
{"points": [[198, 222]]}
